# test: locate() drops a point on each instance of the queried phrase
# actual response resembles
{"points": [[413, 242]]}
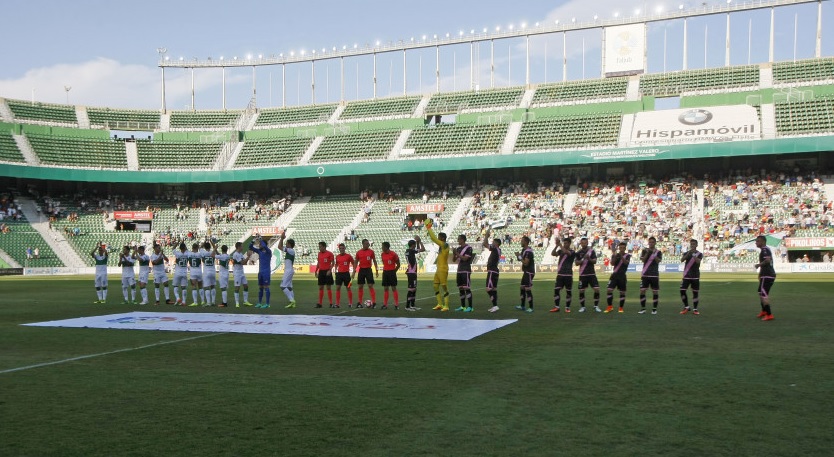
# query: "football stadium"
{"points": [[455, 219]]}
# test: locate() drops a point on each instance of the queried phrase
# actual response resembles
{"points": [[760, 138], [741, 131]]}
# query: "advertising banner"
{"points": [[267, 230], [696, 125], [133, 215], [826, 242], [625, 49], [424, 209]]}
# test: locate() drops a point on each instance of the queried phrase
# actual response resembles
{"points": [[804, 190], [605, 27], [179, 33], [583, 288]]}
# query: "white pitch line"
{"points": [[89, 356]]}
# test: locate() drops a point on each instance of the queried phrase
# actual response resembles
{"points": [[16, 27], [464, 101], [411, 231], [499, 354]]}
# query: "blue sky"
{"points": [[106, 51]]}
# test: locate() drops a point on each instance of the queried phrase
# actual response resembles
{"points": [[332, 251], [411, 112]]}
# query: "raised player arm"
{"points": [[433, 236], [557, 251], [93, 252]]}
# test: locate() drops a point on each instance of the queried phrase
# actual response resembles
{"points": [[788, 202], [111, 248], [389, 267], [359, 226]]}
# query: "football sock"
{"points": [[224, 295], [469, 297], [396, 297], [385, 298], [642, 299], [622, 299], [695, 299], [144, 294], [339, 296], [177, 292], [104, 293], [684, 299], [202, 293], [321, 295], [361, 294], [156, 293], [462, 294], [167, 293], [330, 296], [261, 295], [530, 297], [557, 296], [568, 298], [767, 309], [654, 300], [596, 298], [213, 296], [124, 292], [246, 295], [350, 295], [610, 298], [267, 293], [373, 294], [193, 294], [582, 298]]}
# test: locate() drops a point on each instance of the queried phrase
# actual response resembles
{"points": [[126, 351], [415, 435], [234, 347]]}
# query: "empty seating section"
{"points": [[806, 117], [119, 119], [696, 80], [322, 219], [804, 70], [43, 112], [457, 139], [601, 129], [296, 115], [8, 149], [580, 90], [79, 152], [455, 102], [21, 236], [272, 152], [356, 147], [380, 108], [162, 155], [204, 119]]}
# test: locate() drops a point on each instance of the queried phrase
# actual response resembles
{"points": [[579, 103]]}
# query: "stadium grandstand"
{"points": [[744, 150]]}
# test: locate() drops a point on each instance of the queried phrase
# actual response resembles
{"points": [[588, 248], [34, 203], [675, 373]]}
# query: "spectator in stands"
{"points": [[37, 253], [29, 253]]}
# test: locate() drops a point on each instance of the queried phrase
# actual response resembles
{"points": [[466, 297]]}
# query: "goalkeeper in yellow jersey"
{"points": [[441, 276]]}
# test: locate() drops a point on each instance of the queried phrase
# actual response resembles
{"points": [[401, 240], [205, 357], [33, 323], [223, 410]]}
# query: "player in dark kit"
{"points": [[528, 272], [324, 273], [619, 263], [415, 247], [691, 260], [463, 256], [343, 263], [492, 270], [767, 276], [564, 275], [586, 258], [650, 276]]}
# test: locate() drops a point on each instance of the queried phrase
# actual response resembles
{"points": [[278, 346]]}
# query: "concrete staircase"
{"points": [[625, 130], [26, 149], [8, 259], [420, 111], [399, 145], [228, 160], [132, 155], [527, 99], [54, 238], [308, 154], [768, 121], [512, 136], [633, 89], [339, 110], [6, 114], [83, 118]]}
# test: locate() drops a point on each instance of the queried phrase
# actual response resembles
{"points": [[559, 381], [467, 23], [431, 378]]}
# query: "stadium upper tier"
{"points": [[499, 125]]}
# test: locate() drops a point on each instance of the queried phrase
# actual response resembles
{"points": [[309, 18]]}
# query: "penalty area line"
{"points": [[89, 356]]}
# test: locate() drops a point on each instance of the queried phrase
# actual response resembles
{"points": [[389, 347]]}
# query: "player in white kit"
{"points": [[238, 260], [289, 270], [208, 254], [144, 273], [223, 271], [158, 260], [99, 254], [195, 274], [127, 261], [181, 274]]}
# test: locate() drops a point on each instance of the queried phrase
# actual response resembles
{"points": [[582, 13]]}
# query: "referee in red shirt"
{"points": [[324, 272], [390, 266], [362, 270], [343, 263]]}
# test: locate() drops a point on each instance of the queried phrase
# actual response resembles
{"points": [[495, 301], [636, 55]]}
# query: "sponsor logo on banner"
{"points": [[809, 243], [267, 231], [696, 125], [812, 267], [351, 326], [133, 215], [11, 271], [626, 154], [624, 47], [424, 209]]}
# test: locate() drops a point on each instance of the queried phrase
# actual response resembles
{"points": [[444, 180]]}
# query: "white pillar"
{"points": [[163, 90], [818, 49], [727, 46], [374, 74], [772, 21], [685, 50], [224, 89], [564, 56], [527, 60], [491, 64], [437, 68], [192, 89], [283, 85], [342, 77], [405, 81]]}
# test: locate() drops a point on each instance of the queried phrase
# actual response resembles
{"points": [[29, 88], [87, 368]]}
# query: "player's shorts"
{"points": [[364, 276], [588, 281], [209, 279], [764, 286], [695, 283], [286, 281], [412, 281], [564, 282], [492, 280], [649, 283], [389, 278], [160, 278], [463, 279], [143, 276], [128, 281], [527, 279], [265, 278], [101, 279], [441, 277], [240, 279], [180, 279], [618, 283], [224, 279], [196, 275], [325, 277], [342, 278]]}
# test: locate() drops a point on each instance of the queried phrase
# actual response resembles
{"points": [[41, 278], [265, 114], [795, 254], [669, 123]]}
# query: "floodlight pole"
{"points": [[283, 85], [437, 68], [192, 88], [163, 89], [342, 76], [313, 81], [818, 49], [772, 22], [491, 64], [224, 88], [471, 65], [405, 81], [374, 74], [254, 85], [527, 60], [685, 51], [727, 46], [565, 56]]}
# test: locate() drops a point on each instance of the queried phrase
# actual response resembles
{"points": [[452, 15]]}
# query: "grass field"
{"points": [[722, 383]]}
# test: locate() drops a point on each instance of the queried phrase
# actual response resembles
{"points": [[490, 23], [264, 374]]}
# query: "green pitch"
{"points": [[722, 383]]}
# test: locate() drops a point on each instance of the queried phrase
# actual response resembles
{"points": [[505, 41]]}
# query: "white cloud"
{"points": [[107, 82]]}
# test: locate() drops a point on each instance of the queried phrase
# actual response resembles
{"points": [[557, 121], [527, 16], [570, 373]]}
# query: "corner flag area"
{"points": [[351, 326]]}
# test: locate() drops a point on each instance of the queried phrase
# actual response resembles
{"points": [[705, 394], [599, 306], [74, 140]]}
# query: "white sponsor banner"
{"points": [[625, 49], [696, 125], [352, 326]]}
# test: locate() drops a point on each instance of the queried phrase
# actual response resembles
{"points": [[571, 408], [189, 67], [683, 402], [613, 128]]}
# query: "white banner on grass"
{"points": [[353, 326]]}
